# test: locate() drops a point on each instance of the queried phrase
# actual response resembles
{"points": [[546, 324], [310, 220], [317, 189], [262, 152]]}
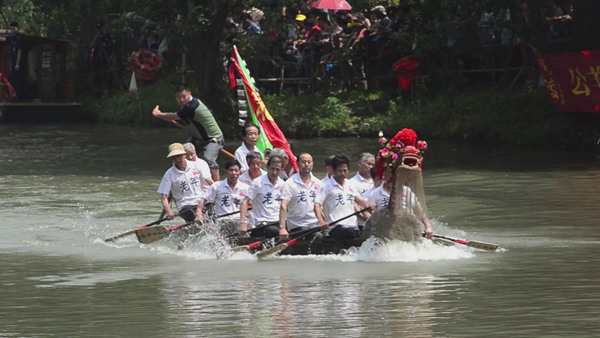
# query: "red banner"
{"points": [[572, 80], [258, 110]]}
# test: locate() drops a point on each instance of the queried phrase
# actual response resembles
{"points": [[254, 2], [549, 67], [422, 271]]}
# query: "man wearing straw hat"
{"points": [[183, 181]]}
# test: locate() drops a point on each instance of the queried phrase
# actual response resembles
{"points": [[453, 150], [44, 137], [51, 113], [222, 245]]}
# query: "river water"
{"points": [[64, 188]]}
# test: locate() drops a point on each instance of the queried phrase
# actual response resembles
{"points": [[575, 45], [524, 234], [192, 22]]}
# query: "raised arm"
{"points": [[164, 116]]}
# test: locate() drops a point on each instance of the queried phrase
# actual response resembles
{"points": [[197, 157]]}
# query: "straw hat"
{"points": [[175, 149], [379, 9]]}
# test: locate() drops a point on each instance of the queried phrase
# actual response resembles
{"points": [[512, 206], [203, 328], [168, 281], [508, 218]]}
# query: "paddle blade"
{"points": [[442, 241], [272, 250], [483, 245], [152, 234], [241, 248]]}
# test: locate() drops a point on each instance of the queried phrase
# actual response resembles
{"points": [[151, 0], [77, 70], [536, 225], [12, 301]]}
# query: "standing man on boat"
{"points": [[227, 196], [200, 124], [298, 199], [338, 199], [265, 195], [182, 180]]}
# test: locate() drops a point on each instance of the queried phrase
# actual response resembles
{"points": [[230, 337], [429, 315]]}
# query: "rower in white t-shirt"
{"points": [[250, 134], [338, 199], [298, 199], [265, 195], [183, 181], [254, 162], [201, 164]]}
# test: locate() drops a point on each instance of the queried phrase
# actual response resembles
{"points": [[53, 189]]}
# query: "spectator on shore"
{"points": [[486, 24], [356, 51], [314, 44], [102, 48], [229, 31], [555, 16], [249, 26], [382, 25], [16, 73]]}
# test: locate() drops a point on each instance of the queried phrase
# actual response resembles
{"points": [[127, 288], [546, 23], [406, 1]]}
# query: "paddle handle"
{"points": [[177, 227], [346, 217], [154, 223], [130, 232], [474, 244], [178, 125], [231, 213]]}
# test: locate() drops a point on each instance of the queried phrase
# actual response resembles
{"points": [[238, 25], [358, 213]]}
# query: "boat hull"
{"points": [[313, 246]]}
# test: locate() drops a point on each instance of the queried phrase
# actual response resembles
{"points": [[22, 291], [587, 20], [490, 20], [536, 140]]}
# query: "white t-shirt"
{"points": [[227, 200], [245, 177], [240, 155], [301, 201], [266, 199], [204, 170], [338, 202], [285, 176], [185, 186], [363, 185], [379, 197], [409, 200]]}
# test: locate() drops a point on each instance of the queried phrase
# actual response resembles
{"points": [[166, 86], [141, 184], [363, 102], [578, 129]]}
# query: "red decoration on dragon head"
{"points": [[403, 146]]}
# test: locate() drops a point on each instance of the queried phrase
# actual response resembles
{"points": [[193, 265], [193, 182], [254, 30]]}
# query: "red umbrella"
{"points": [[336, 5]]}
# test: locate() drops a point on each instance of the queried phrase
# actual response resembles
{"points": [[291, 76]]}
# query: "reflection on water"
{"points": [[285, 307], [63, 189]]}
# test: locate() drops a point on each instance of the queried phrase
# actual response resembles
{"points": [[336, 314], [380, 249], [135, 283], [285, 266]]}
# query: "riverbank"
{"points": [[521, 117]]}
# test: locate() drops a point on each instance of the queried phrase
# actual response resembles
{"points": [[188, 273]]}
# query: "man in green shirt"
{"points": [[200, 124]]}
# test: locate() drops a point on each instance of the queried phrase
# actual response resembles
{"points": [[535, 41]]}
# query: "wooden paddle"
{"points": [[154, 234], [254, 244], [474, 244], [231, 213], [261, 225], [277, 248], [178, 125], [130, 232]]}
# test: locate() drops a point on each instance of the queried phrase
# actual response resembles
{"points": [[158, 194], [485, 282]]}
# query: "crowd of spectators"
{"points": [[358, 50], [324, 45], [348, 47]]}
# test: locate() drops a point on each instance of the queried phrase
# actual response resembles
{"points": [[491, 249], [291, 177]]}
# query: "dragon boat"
{"points": [[399, 165]]}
